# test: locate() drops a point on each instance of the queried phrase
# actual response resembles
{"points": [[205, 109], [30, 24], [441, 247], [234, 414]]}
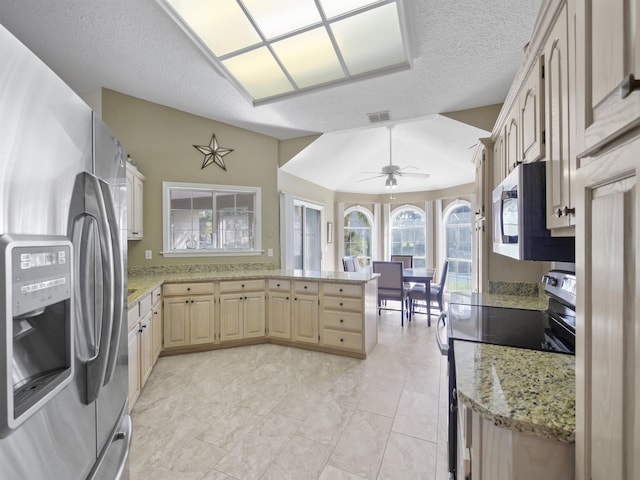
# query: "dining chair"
{"points": [[418, 293], [391, 285], [348, 265], [407, 260]]}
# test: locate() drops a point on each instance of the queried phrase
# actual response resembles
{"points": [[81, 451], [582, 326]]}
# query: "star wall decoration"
{"points": [[213, 153]]}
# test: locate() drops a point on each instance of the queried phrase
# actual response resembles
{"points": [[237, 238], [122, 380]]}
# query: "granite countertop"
{"points": [[527, 302], [523, 390], [143, 284]]}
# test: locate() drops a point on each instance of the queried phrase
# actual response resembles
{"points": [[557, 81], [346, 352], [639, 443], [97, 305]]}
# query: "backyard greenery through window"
{"points": [[458, 227], [408, 235], [202, 219], [357, 233]]}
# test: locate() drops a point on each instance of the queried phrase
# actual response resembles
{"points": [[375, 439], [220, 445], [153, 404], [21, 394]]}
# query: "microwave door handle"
{"points": [[89, 202], [118, 283]]}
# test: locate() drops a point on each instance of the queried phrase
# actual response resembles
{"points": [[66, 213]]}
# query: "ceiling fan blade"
{"points": [[371, 178], [408, 166], [374, 173], [414, 175]]}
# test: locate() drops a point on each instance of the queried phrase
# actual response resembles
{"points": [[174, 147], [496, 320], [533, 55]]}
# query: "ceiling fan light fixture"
{"points": [[391, 182]]}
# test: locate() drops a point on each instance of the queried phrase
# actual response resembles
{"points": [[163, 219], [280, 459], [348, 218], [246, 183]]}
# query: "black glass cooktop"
{"points": [[511, 327]]}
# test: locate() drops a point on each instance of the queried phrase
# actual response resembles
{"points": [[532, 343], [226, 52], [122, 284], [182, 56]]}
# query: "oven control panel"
{"points": [[562, 285]]}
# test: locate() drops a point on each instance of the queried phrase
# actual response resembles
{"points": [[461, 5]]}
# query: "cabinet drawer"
{"points": [[145, 305], [280, 285], [345, 340], [342, 289], [156, 295], [305, 287], [343, 304], [338, 320], [133, 315], [241, 285], [188, 288]]}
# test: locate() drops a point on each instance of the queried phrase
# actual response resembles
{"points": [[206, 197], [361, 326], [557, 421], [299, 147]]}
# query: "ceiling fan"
{"points": [[392, 171]]}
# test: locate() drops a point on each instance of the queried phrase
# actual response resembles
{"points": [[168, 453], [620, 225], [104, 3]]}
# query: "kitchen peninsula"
{"points": [[347, 301]]}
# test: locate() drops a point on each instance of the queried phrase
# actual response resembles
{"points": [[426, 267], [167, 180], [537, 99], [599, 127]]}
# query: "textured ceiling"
{"points": [[466, 53]]}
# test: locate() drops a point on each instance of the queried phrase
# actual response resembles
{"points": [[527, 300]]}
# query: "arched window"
{"points": [[358, 223], [408, 234], [458, 226]]}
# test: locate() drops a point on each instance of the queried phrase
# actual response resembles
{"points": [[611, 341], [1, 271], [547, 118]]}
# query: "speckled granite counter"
{"points": [[140, 285], [523, 390], [528, 302]]}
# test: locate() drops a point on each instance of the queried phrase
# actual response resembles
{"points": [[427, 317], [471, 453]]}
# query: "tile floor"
{"points": [[271, 412]]}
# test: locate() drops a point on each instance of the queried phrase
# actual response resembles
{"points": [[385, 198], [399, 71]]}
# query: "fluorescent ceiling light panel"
{"points": [[279, 17], [277, 48]]}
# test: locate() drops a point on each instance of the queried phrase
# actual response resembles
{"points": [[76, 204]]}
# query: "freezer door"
{"points": [[46, 141], [113, 464]]}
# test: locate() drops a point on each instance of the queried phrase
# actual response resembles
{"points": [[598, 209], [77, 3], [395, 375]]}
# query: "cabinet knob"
{"points": [[155, 313], [558, 213], [341, 320], [295, 299], [242, 285], [186, 301], [340, 303], [191, 301], [305, 287], [340, 290], [566, 211], [277, 284], [287, 298], [342, 339], [245, 298], [188, 289]]}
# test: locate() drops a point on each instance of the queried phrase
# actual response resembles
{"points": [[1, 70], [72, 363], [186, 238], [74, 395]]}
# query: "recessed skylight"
{"points": [[275, 49]]}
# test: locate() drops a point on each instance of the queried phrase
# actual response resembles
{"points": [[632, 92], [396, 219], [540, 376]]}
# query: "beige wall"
{"points": [[481, 117], [160, 140], [290, 148]]}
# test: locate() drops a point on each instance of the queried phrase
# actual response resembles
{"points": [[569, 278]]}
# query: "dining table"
{"points": [[421, 275]]}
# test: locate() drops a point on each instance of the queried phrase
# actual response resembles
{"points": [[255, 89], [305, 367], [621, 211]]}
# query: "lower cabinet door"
{"points": [[176, 322], [201, 320], [305, 318], [253, 315], [134, 366], [280, 315], [231, 317]]}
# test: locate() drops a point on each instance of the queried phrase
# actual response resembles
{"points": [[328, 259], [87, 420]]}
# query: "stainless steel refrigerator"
{"points": [[63, 349]]}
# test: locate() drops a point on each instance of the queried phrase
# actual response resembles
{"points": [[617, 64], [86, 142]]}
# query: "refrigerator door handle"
{"points": [[118, 282], [88, 205]]}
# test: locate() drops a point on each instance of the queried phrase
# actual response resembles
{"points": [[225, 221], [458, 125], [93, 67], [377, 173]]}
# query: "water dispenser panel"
{"points": [[41, 276]]}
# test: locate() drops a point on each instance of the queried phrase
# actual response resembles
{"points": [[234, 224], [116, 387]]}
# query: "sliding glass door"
{"points": [[307, 236]]}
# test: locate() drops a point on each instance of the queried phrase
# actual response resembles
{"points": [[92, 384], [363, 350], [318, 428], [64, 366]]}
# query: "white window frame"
{"points": [[166, 223], [448, 210], [394, 213], [367, 213]]}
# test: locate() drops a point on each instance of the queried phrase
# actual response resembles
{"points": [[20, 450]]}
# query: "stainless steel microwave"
{"points": [[519, 218]]}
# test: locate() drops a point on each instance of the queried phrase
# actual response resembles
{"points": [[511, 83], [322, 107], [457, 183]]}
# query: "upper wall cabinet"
{"points": [[481, 158], [135, 188], [499, 160], [532, 114], [609, 57], [560, 165], [511, 139]]}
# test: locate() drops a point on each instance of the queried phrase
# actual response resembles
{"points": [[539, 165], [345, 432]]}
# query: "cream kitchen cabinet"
{"points": [[499, 168], [481, 162], [156, 320], [188, 314], [242, 309], [607, 70], [489, 452], [134, 366], [140, 346], [532, 114], [342, 317], [608, 294], [561, 164], [511, 139], [279, 309], [306, 308], [135, 189]]}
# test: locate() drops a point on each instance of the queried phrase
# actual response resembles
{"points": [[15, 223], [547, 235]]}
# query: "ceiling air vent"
{"points": [[378, 117]]}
